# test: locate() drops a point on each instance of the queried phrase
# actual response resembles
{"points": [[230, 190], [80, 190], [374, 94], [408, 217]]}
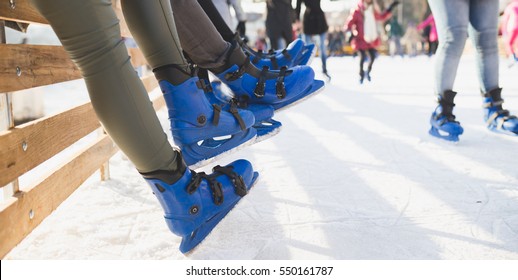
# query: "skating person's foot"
{"points": [[276, 88], [442, 121], [368, 76], [327, 75], [194, 203], [497, 119], [204, 132], [296, 53]]}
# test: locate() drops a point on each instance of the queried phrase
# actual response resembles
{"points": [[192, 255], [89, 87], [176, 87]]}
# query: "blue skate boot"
{"points": [[194, 203], [443, 121], [276, 88], [296, 53], [200, 130], [265, 125], [497, 119]]}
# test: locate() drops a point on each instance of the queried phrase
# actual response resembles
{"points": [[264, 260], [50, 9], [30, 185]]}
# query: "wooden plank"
{"points": [[26, 146], [28, 66], [21, 11], [21, 214]]}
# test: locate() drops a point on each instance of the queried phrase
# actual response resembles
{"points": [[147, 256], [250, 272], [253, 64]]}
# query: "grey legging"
{"points": [[89, 31]]}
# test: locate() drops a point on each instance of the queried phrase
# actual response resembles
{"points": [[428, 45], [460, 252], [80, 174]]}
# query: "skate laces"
{"points": [[232, 110], [215, 186]]}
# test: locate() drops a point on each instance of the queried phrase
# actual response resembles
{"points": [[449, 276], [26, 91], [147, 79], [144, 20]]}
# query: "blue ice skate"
{"points": [[296, 53], [194, 203], [443, 123], [203, 132], [497, 119], [276, 88], [265, 125]]}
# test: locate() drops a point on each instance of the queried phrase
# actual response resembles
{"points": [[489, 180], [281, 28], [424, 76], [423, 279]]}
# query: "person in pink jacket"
{"points": [[433, 38], [509, 29], [362, 23]]}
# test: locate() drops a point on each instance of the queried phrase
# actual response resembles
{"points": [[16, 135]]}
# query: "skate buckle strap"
{"points": [[233, 110], [256, 59], [273, 60], [261, 83], [237, 181], [501, 116], [241, 101], [279, 85], [217, 111], [232, 76], [497, 104], [286, 54], [214, 185], [203, 85]]}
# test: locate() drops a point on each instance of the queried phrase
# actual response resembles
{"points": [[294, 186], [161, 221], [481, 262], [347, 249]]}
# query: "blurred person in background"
{"points": [[431, 33], [362, 29], [314, 28]]}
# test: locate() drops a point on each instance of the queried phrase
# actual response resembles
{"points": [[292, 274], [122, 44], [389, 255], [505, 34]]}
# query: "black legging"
{"points": [[371, 53]]}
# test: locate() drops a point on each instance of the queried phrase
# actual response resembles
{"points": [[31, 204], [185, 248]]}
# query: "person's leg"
{"points": [[363, 56], [372, 57], [323, 51], [216, 18], [89, 32], [483, 31], [451, 18], [198, 36]]}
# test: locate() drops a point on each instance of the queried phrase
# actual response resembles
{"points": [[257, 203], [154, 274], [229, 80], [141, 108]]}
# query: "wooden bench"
{"points": [[27, 146]]}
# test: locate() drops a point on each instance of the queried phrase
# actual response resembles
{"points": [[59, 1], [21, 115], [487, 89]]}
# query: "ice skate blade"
{"points": [[313, 90], [192, 154], [449, 137], [267, 133], [502, 131], [189, 243]]}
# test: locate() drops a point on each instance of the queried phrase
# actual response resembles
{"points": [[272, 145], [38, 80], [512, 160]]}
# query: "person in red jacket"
{"points": [[362, 23]]}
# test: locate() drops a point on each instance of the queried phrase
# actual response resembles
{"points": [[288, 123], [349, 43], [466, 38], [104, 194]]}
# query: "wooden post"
{"points": [[7, 119]]}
